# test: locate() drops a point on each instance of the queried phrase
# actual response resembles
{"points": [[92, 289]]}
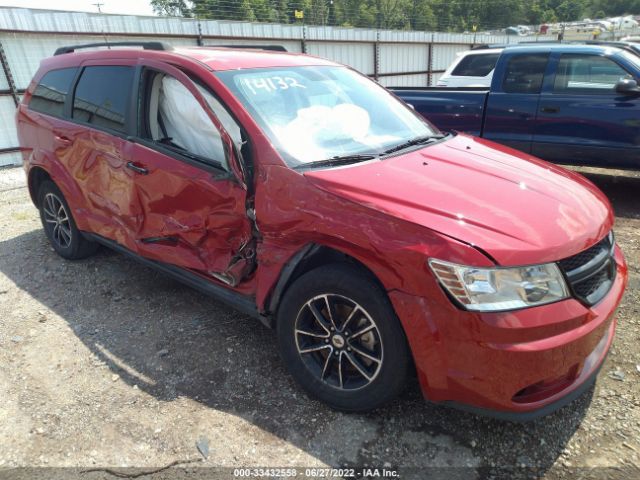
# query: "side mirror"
{"points": [[627, 86]]}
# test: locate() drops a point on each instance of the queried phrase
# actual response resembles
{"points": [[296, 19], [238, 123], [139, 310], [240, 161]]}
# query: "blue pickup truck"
{"points": [[571, 104]]}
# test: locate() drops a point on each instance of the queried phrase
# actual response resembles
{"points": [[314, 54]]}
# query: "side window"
{"points": [[229, 124], [50, 94], [476, 65], [525, 73], [174, 118], [102, 96], [590, 74]]}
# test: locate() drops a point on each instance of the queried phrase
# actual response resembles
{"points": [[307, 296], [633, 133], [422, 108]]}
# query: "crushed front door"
{"points": [[194, 208]]}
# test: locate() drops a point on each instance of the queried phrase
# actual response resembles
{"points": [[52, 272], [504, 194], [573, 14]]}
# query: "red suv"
{"points": [[310, 197]]}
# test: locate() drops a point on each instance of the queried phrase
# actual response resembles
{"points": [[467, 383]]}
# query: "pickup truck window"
{"points": [[525, 73], [476, 65], [318, 113], [632, 58], [591, 74]]}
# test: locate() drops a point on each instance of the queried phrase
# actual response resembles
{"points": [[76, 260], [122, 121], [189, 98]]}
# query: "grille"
{"points": [[591, 272], [590, 286], [581, 258]]}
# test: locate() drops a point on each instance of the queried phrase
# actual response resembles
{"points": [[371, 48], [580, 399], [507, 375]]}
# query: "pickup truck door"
{"points": [[513, 101], [192, 194], [582, 119]]}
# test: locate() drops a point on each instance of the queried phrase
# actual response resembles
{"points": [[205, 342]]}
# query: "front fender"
{"points": [[293, 212]]}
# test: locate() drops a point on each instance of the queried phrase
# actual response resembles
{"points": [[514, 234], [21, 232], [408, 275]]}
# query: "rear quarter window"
{"points": [[478, 65], [51, 92], [102, 96]]}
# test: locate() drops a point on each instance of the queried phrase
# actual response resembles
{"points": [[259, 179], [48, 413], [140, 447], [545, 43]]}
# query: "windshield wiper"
{"points": [[338, 160], [347, 159], [413, 142]]}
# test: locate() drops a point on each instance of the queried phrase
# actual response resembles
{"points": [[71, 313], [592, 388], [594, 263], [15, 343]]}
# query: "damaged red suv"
{"points": [[308, 196]]}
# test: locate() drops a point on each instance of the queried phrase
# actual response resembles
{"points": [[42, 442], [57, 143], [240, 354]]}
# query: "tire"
{"points": [[59, 225], [337, 366]]}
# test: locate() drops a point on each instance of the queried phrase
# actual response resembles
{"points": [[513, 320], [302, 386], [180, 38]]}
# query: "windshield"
{"points": [[319, 113]]}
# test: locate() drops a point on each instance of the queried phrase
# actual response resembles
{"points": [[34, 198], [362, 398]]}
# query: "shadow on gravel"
{"points": [[622, 191], [171, 342]]}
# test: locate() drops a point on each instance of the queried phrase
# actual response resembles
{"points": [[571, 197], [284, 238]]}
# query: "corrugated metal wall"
{"points": [[25, 50], [395, 58], [358, 55]]}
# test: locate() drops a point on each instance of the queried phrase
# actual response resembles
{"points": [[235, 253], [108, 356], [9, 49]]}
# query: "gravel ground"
{"points": [[106, 364]]}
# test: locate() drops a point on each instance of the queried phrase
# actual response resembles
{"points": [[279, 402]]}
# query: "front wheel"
{"points": [[341, 340]]}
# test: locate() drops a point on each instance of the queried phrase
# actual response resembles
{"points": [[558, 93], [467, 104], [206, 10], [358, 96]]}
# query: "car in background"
{"points": [[473, 68], [575, 104], [624, 23], [629, 46]]}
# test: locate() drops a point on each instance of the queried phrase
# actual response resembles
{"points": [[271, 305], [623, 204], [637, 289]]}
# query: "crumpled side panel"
{"points": [[96, 163], [292, 213]]}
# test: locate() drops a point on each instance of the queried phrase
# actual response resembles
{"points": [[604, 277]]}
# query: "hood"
{"points": [[518, 209]]}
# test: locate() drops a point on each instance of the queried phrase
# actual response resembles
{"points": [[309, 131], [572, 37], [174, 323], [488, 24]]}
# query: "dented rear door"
{"points": [[92, 148]]}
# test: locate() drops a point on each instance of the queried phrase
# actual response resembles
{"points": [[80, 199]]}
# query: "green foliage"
{"points": [[430, 15], [174, 8]]}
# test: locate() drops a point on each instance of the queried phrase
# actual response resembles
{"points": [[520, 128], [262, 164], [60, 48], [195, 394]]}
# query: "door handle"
{"points": [[550, 109], [62, 140], [137, 169]]}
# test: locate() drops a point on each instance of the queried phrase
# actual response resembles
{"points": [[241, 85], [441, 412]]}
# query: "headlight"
{"points": [[498, 289]]}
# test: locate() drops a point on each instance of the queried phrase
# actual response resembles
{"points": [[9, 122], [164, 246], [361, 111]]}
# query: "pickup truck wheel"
{"points": [[59, 225], [341, 340]]}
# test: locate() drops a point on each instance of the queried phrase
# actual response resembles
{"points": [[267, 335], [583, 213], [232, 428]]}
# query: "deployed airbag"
{"points": [[187, 123]]}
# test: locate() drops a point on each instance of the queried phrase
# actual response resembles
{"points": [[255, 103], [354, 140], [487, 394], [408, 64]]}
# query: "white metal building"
{"points": [[394, 58]]}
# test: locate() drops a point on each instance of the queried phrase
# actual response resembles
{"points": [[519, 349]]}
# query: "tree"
{"points": [[422, 16], [438, 15], [172, 8], [570, 10], [316, 12], [615, 7], [393, 14]]}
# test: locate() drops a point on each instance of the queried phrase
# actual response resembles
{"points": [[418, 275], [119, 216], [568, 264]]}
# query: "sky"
{"points": [[132, 7]]}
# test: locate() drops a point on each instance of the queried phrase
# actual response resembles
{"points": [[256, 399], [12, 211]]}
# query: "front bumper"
{"points": [[515, 365]]}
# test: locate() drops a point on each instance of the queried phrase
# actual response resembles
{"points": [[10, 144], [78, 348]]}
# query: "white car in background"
{"points": [[624, 23], [472, 68]]}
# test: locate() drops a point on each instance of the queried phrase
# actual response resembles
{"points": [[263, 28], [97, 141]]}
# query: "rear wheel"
{"points": [[341, 340], [59, 225]]}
